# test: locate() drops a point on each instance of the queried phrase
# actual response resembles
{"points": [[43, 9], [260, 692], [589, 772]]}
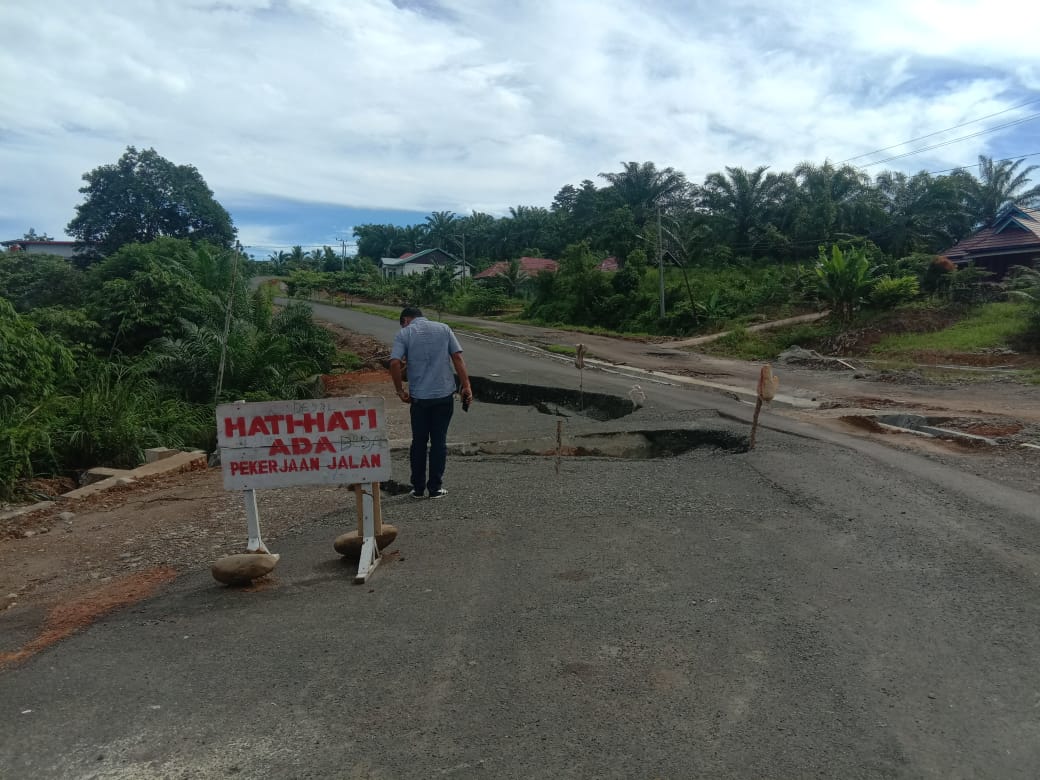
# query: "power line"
{"points": [[951, 141], [976, 165], [939, 132]]}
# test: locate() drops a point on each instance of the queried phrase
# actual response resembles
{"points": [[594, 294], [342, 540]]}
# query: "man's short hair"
{"points": [[409, 311]]}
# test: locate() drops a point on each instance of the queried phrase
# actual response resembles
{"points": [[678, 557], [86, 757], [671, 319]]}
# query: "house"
{"points": [[64, 249], [419, 262], [609, 265], [532, 266], [1013, 238]]}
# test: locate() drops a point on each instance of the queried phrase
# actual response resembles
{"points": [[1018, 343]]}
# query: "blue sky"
{"points": [[307, 117]]}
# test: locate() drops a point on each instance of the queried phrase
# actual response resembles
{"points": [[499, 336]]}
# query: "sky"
{"points": [[307, 117]]}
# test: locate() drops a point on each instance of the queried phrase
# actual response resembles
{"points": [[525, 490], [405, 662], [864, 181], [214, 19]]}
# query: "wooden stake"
{"points": [[754, 424], [766, 391]]}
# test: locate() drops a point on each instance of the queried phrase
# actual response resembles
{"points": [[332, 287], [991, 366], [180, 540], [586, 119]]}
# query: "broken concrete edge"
{"points": [[746, 394], [100, 473], [181, 461], [8, 514]]}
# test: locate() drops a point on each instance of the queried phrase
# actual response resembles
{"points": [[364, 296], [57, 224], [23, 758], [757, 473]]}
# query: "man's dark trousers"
{"points": [[430, 420]]}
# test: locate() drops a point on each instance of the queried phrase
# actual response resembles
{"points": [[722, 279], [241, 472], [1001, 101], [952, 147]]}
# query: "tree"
{"points": [[144, 196], [513, 278], [297, 258], [642, 187], [441, 226], [741, 200], [999, 185], [920, 212], [32, 235], [378, 241], [831, 201], [143, 291], [844, 280]]}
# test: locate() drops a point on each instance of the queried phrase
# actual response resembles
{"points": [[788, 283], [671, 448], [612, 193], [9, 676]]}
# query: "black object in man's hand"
{"points": [[465, 402]]}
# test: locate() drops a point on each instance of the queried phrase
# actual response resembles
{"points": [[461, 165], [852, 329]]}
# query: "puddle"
{"points": [[555, 401], [635, 445]]}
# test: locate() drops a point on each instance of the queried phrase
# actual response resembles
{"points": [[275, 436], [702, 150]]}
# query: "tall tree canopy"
{"points": [[642, 187], [144, 196], [999, 184]]}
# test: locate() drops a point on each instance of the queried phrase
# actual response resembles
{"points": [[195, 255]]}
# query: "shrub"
{"points": [[890, 292]]}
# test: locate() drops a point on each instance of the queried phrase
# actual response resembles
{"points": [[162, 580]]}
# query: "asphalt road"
{"points": [[819, 607]]}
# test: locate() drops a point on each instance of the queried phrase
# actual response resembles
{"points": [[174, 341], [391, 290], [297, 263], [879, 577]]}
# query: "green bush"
{"points": [[890, 292], [115, 412]]}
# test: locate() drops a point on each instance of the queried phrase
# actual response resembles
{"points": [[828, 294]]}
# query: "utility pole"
{"points": [[660, 258], [461, 239], [343, 254], [227, 322]]}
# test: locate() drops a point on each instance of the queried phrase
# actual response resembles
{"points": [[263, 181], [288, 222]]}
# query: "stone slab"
{"points": [[101, 473]]}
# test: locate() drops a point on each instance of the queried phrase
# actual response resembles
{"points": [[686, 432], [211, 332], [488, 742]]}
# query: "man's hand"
{"points": [[404, 396]]}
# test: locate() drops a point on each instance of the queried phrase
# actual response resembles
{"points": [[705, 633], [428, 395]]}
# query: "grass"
{"points": [[387, 314], [992, 325], [742, 344], [562, 349]]}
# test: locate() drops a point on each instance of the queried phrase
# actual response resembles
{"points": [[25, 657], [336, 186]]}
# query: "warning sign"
{"points": [[315, 442]]}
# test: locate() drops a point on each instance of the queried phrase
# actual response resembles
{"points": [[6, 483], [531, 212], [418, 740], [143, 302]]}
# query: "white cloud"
{"points": [[456, 104]]}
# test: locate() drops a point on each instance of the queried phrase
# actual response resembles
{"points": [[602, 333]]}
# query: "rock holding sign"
{"points": [[243, 568]]}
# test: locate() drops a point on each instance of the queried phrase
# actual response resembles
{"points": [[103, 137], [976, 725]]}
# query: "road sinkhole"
{"points": [[556, 401], [634, 445]]}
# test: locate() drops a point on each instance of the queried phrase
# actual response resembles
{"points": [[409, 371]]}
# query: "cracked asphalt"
{"points": [[822, 606]]}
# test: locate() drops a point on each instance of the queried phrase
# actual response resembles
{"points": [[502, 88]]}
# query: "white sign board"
{"points": [[315, 442]]}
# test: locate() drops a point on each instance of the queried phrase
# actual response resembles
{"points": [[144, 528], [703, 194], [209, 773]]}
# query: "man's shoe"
{"points": [[439, 493], [413, 494]]}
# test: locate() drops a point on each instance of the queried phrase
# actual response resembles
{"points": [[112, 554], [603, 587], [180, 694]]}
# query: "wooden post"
{"points": [[766, 392]]}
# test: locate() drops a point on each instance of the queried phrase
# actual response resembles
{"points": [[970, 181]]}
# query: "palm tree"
{"points": [[642, 187], [441, 225], [920, 211], [297, 258], [416, 237], [742, 199], [479, 230], [513, 278], [278, 260], [1000, 184], [831, 201]]}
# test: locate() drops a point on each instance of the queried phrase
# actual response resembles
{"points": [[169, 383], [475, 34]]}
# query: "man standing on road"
{"points": [[430, 350]]}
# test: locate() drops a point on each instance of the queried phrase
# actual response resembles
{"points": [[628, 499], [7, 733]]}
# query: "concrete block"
{"points": [[180, 461], [158, 453], [100, 473], [95, 488]]}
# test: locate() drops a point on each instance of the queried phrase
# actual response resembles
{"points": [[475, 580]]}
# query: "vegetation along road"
{"points": [[822, 605]]}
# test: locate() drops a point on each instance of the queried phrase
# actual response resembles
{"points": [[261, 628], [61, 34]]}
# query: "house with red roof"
{"points": [[532, 266], [66, 249], [1013, 238]]}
